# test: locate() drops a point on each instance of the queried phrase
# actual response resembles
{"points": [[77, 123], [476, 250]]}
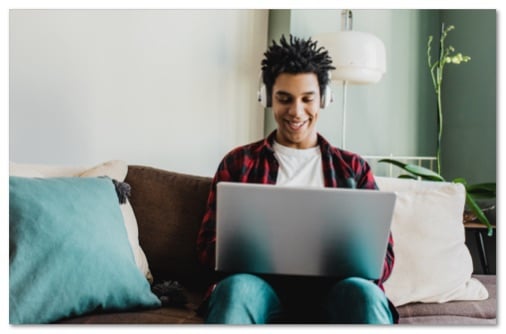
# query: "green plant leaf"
{"points": [[479, 190], [423, 172], [479, 213], [461, 180], [393, 162], [482, 190], [489, 186], [420, 171], [407, 176]]}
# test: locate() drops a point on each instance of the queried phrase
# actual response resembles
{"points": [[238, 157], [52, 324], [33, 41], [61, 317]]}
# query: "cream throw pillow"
{"points": [[114, 169], [432, 262]]}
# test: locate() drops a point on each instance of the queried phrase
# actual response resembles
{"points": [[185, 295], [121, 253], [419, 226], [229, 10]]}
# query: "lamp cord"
{"points": [[346, 25]]}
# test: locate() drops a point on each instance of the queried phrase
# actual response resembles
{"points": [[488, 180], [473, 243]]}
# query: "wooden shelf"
{"points": [[475, 225]]}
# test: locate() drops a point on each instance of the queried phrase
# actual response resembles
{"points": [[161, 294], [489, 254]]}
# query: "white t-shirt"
{"points": [[299, 167]]}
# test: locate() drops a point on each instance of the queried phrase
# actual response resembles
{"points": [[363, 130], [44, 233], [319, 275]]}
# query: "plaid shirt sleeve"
{"points": [[206, 240]]}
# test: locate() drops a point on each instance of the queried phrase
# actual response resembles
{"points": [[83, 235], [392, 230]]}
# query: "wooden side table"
{"points": [[479, 229]]}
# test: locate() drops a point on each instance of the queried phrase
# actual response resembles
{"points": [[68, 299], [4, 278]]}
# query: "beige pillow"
{"points": [[432, 262], [114, 169], [34, 170]]}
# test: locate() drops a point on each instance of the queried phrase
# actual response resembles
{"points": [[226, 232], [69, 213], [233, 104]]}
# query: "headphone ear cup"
{"points": [[262, 96], [326, 97]]}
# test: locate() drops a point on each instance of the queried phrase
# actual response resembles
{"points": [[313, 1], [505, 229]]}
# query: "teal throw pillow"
{"points": [[69, 252]]}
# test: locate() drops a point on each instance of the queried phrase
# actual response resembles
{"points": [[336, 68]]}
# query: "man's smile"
{"points": [[296, 125]]}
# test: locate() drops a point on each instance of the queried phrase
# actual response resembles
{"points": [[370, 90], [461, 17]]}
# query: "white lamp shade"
{"points": [[359, 57]]}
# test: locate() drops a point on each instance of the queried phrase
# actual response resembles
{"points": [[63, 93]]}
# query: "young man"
{"points": [[295, 73]]}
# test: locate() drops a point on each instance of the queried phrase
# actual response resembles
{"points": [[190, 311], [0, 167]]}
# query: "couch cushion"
{"points": [[69, 251], [432, 262], [162, 315], [447, 320], [169, 208], [482, 309]]}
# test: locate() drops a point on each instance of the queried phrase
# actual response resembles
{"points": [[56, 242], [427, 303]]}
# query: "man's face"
{"points": [[295, 104]]}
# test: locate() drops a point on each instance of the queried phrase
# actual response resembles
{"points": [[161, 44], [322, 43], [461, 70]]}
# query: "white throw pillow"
{"points": [[432, 262], [115, 169]]}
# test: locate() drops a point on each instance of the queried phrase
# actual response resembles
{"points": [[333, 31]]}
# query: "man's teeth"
{"points": [[296, 125]]}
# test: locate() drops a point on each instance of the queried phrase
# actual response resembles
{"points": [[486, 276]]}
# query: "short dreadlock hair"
{"points": [[295, 56]]}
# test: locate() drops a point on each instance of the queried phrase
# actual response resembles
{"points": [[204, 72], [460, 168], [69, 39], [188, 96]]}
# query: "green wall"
{"points": [[469, 97], [398, 115]]}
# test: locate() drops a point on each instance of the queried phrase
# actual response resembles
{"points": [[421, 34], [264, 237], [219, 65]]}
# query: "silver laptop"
{"points": [[330, 232]]}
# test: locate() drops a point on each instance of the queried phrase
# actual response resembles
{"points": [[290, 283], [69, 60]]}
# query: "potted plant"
{"points": [[474, 192]]}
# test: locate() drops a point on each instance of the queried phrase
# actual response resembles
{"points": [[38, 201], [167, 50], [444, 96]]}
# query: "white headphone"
{"points": [[325, 99]]}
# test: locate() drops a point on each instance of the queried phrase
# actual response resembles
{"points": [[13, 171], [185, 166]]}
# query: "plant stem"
{"points": [[440, 130], [439, 81]]}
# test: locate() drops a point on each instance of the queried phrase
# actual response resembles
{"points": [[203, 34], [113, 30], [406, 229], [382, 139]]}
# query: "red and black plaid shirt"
{"points": [[255, 163]]}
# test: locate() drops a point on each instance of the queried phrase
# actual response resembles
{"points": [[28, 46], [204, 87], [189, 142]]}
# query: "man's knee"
{"points": [[243, 285], [241, 299], [357, 300], [358, 289]]}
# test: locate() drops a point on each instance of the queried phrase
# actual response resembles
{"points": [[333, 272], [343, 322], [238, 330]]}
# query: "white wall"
{"points": [[174, 89]]}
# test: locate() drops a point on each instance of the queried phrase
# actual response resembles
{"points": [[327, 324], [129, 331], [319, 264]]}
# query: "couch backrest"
{"points": [[169, 208]]}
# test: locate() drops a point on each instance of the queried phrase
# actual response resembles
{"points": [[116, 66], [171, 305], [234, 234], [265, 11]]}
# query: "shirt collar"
{"points": [[322, 142]]}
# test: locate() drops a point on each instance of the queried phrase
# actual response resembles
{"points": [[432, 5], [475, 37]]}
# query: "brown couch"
{"points": [[169, 207]]}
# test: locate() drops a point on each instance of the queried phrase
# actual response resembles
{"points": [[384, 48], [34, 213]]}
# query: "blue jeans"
{"points": [[250, 299]]}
